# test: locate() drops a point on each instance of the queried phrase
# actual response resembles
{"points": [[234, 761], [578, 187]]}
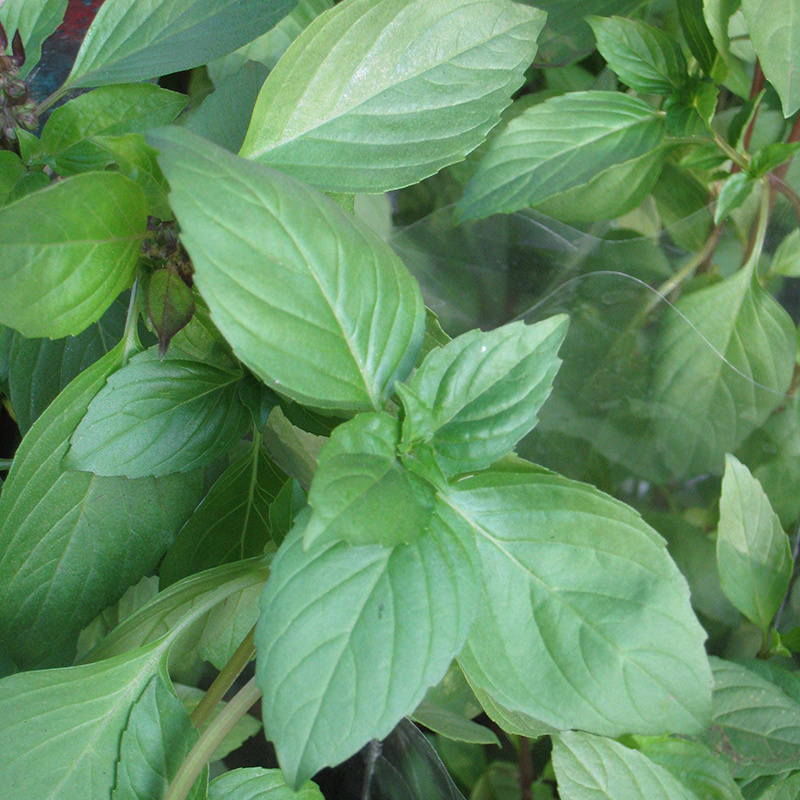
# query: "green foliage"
{"points": [[568, 500]]}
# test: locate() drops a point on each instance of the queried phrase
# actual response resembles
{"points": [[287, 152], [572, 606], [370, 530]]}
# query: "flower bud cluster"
{"points": [[17, 109]]}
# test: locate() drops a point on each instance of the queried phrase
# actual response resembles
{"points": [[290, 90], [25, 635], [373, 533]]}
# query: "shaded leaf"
{"points": [[35, 20], [256, 783], [170, 306]]}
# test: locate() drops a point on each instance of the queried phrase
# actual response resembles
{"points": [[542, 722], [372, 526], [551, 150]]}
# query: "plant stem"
{"points": [[525, 763], [210, 739], [49, 101], [131, 334], [757, 244], [229, 673], [787, 191], [733, 154]]}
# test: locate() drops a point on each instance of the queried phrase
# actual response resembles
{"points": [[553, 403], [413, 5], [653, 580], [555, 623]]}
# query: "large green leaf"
{"points": [[753, 553], [313, 302], [723, 360], [107, 111], [756, 724], [67, 251], [586, 621], [774, 27], [41, 368], [256, 783], [361, 492], [475, 398], [71, 542], [374, 96], [593, 768], [232, 522], [61, 728], [35, 20], [133, 40], [350, 638], [157, 417], [558, 145]]}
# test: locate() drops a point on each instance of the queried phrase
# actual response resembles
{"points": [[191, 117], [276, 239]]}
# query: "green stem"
{"points": [[49, 101], [210, 740], [761, 230], [787, 191], [734, 155], [230, 672], [131, 334]]}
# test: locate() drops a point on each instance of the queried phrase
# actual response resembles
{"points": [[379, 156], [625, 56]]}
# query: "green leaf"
{"points": [[232, 522], [734, 192], [696, 32], [131, 40], [41, 368], [71, 542], [363, 102], [350, 638], [753, 553], [717, 14], [774, 27], [61, 728], [67, 251], [756, 724], [35, 20], [108, 111], [592, 768], [11, 170], [155, 741], [475, 398], [170, 306], [256, 783], [558, 145], [157, 417], [643, 57], [786, 260], [783, 789], [361, 492], [579, 592], [301, 290], [771, 156], [452, 726]]}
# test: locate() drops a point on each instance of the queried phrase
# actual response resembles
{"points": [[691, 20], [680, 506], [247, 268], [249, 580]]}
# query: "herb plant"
{"points": [[559, 541]]}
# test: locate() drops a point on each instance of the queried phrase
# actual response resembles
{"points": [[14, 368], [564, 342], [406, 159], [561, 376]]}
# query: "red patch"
{"points": [[79, 16]]}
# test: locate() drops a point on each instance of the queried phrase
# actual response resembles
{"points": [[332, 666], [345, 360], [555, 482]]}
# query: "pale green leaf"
{"points": [[717, 14], [644, 58], [786, 260], [586, 621], [753, 553], [67, 251], [774, 27], [256, 783], [723, 360], [593, 768], [232, 522], [350, 638], [374, 96], [313, 302], [735, 190], [61, 728], [133, 40], [558, 145], [452, 726], [360, 486], [35, 20], [783, 789], [475, 398], [71, 542], [157, 417]]}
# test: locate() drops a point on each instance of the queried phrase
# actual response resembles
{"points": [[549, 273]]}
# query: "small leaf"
{"points": [[644, 57], [734, 192], [157, 417], [361, 492], [697, 35], [452, 726], [133, 41], [11, 170], [753, 553], [786, 260], [477, 396], [346, 106], [67, 251], [35, 20], [170, 306], [771, 156], [256, 783]]}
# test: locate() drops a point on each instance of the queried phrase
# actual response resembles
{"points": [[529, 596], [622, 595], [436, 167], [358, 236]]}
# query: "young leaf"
{"points": [[155, 741], [157, 417], [734, 192], [644, 57], [786, 260], [477, 396], [350, 638], [593, 768], [256, 783], [723, 360], [579, 593], [61, 728], [771, 156], [452, 726], [361, 492], [753, 553], [697, 35], [133, 41], [363, 102], [558, 145], [11, 170], [170, 306], [310, 300], [67, 251], [233, 520], [35, 20], [774, 27], [71, 542], [108, 111]]}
